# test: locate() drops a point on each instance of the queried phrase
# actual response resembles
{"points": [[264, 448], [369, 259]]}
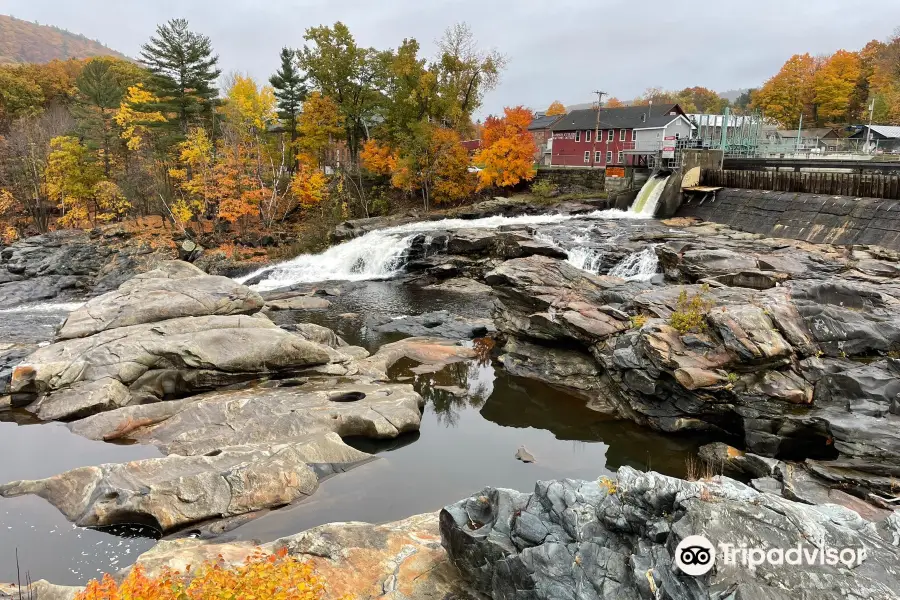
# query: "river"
{"points": [[465, 441]]}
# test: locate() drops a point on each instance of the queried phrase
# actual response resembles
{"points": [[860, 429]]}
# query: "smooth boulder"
{"points": [[175, 289], [176, 491]]}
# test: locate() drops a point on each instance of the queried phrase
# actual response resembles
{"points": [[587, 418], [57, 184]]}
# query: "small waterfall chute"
{"points": [[637, 266], [648, 198]]}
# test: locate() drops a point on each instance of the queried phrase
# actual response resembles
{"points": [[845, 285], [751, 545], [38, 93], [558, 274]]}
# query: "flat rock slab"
{"points": [[175, 491], [171, 358], [403, 560], [175, 289], [436, 324], [462, 285], [208, 422], [39, 590]]}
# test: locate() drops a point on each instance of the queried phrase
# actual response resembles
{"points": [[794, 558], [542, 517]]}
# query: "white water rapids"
{"points": [[382, 253], [46, 307], [638, 266]]}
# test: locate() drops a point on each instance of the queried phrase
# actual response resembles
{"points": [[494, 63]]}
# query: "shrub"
{"points": [[690, 313], [638, 321], [543, 188], [262, 576]]}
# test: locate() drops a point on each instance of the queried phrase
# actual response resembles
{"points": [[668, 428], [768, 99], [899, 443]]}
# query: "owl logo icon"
{"points": [[695, 555]]}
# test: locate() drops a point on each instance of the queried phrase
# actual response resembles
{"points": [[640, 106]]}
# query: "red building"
{"points": [[541, 130], [573, 143]]}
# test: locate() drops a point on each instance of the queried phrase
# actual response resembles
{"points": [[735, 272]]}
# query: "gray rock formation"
{"points": [[174, 289], [208, 422], [616, 538], [164, 360], [177, 491], [435, 324]]}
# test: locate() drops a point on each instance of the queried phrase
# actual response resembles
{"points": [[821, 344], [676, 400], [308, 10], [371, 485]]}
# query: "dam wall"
{"points": [[800, 216]]}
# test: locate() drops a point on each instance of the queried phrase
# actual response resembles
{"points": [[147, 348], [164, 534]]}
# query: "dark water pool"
{"points": [[467, 441]]}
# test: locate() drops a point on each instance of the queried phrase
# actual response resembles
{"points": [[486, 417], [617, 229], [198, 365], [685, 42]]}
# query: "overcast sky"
{"points": [[557, 49]]}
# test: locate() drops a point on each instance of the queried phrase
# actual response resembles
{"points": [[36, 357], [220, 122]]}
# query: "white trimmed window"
{"points": [[587, 156], [578, 136], [622, 135], [609, 158], [612, 132], [621, 158], [587, 135], [598, 156]]}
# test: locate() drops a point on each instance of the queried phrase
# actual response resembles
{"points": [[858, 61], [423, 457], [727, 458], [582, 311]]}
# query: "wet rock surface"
{"points": [[617, 538], [133, 365], [71, 263]]}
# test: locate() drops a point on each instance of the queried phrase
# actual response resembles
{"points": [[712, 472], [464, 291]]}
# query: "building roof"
{"points": [[543, 122], [821, 132], [626, 117], [660, 121], [888, 131]]}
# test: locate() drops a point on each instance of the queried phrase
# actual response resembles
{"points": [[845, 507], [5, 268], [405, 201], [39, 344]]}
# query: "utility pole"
{"points": [[596, 127]]}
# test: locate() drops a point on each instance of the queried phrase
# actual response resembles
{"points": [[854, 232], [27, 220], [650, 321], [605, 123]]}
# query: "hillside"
{"points": [[26, 42]]}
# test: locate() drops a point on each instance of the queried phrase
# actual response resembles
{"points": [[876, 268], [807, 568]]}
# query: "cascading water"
{"points": [[585, 258], [648, 198], [638, 266], [382, 253]]}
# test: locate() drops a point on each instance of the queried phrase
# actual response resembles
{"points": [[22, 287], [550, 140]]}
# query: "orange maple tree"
{"points": [[555, 108], [378, 159], [508, 149]]}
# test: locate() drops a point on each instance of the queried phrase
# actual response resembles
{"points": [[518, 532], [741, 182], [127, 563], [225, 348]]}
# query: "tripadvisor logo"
{"points": [[695, 555]]}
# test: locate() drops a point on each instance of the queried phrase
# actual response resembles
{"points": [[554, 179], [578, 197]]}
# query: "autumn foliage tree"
{"points": [[508, 150], [790, 93], [555, 108], [434, 163]]}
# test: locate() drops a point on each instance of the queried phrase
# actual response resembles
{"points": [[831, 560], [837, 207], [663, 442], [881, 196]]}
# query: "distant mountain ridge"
{"points": [[27, 42]]}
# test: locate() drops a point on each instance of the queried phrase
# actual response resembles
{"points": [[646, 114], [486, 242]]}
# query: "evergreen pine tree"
{"points": [[99, 95], [184, 73], [290, 90]]}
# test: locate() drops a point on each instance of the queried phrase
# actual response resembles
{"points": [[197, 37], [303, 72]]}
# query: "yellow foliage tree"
{"points": [[8, 231], [193, 176], [435, 163], [790, 93], [614, 102], [320, 126], [276, 577], [309, 186], [508, 150], [111, 201], [71, 177], [133, 120], [555, 108], [250, 105], [835, 84]]}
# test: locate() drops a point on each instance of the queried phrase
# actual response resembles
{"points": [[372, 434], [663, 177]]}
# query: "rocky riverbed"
{"points": [[649, 337]]}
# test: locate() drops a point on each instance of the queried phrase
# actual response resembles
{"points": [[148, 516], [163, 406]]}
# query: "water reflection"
{"points": [[49, 547]]}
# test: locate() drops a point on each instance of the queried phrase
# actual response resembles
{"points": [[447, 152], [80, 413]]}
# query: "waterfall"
{"points": [[638, 266], [647, 199], [382, 253], [586, 259]]}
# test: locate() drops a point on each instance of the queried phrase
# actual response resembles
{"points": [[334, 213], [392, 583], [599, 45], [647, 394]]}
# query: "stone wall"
{"points": [[808, 217], [573, 179]]}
